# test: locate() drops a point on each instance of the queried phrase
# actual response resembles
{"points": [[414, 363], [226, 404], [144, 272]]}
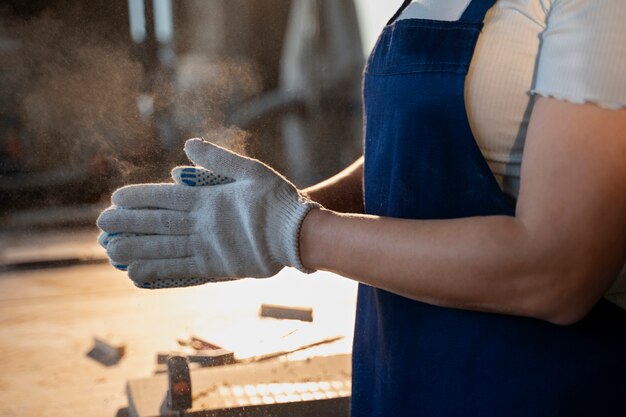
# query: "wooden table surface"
{"points": [[48, 318]]}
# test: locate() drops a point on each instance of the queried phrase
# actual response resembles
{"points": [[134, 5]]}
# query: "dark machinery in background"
{"points": [[318, 96], [69, 124], [101, 93]]}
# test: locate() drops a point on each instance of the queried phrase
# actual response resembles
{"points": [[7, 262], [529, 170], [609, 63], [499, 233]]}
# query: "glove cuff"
{"points": [[291, 211]]}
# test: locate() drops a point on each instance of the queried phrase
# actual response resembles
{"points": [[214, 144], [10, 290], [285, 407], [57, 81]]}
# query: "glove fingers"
{"points": [[167, 196], [177, 283], [149, 271], [124, 250], [104, 238], [197, 177], [156, 222], [218, 159]]}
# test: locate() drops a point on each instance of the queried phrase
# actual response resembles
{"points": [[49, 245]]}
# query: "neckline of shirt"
{"points": [[449, 10]]}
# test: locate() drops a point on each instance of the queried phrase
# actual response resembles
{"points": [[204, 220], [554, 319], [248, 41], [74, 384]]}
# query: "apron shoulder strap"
{"points": [[476, 10], [405, 4]]}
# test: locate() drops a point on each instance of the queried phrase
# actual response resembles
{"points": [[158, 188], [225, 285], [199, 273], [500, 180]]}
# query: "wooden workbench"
{"points": [[48, 319]]}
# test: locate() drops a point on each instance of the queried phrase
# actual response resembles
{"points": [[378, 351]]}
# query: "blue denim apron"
{"points": [[422, 162]]}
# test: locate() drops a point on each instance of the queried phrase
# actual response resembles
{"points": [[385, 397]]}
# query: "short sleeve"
{"points": [[582, 55]]}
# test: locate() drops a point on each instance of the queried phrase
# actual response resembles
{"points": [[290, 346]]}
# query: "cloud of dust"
{"points": [[75, 96], [232, 138], [208, 89]]}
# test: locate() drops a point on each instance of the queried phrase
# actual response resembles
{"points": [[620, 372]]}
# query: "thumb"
{"points": [[197, 177], [218, 159]]}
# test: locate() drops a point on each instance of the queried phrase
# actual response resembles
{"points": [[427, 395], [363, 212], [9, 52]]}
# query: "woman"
{"points": [[482, 282]]}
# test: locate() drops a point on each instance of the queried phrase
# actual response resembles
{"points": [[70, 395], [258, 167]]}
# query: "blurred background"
{"points": [[97, 94], [101, 93]]}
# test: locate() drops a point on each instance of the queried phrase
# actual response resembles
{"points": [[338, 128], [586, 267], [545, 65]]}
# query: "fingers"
{"points": [[197, 177], [146, 271], [156, 262], [121, 267], [218, 159], [176, 283], [167, 196], [104, 238], [145, 221], [124, 250], [169, 273]]}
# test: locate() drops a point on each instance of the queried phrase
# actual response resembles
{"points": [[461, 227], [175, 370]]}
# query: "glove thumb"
{"points": [[197, 177], [218, 159]]}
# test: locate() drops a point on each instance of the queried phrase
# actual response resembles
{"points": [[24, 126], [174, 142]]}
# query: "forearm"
{"points": [[494, 264], [452, 263], [342, 192]]}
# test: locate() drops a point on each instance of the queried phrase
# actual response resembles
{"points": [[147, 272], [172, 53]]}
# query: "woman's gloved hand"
{"points": [[188, 235], [187, 175]]}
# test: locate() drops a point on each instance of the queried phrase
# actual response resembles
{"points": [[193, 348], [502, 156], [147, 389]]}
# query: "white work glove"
{"points": [[246, 228], [191, 176]]}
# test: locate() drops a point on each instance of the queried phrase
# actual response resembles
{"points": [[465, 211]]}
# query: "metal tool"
{"points": [[179, 385]]}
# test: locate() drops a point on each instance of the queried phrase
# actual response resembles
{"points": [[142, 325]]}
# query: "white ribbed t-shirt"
{"points": [[573, 50]]}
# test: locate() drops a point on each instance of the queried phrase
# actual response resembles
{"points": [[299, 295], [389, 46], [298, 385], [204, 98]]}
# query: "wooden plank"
{"points": [[316, 387], [286, 312]]}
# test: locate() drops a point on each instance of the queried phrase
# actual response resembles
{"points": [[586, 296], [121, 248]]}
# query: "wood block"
{"points": [[216, 357], [205, 358], [286, 312], [107, 350], [315, 387]]}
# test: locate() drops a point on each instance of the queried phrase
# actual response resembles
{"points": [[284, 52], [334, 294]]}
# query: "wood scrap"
{"points": [[199, 351], [219, 357], [108, 350], [287, 312], [274, 355], [204, 358]]}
